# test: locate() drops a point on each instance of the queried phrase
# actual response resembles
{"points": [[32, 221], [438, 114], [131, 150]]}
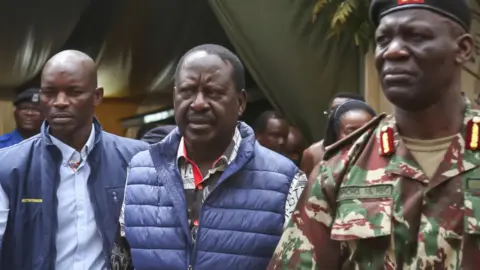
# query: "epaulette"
{"points": [[334, 148]]}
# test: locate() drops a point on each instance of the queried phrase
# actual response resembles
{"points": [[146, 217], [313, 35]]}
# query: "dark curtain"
{"points": [[30, 32], [148, 38], [290, 58]]}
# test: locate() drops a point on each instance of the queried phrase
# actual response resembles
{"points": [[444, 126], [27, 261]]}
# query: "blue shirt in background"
{"points": [[10, 139]]}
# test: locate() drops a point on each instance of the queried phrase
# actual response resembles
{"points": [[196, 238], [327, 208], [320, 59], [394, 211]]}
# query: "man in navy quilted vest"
{"points": [[61, 191], [208, 197]]}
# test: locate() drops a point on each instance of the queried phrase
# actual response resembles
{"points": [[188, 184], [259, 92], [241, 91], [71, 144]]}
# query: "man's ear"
{"points": [[98, 96], [242, 102], [465, 48]]}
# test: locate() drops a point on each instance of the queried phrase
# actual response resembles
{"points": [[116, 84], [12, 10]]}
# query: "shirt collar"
{"points": [[226, 158], [68, 151], [16, 134]]}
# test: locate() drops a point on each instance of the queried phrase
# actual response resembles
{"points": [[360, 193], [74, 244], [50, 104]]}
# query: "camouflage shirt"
{"points": [[366, 210]]}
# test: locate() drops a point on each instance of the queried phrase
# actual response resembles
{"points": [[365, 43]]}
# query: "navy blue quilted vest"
{"points": [[240, 223]]}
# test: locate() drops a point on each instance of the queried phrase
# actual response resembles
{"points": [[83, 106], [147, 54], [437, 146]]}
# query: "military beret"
{"points": [[456, 10], [31, 95]]}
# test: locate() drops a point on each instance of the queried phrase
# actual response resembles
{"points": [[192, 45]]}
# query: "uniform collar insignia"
{"points": [[472, 135], [386, 136], [387, 143]]}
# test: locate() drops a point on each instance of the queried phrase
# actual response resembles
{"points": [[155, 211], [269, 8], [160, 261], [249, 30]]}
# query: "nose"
{"points": [[396, 50], [61, 100], [199, 103]]}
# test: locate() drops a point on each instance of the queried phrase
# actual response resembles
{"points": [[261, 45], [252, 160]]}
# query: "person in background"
{"points": [[144, 129], [271, 130], [340, 98], [406, 193], [295, 145], [61, 192], [28, 118], [345, 119], [208, 196], [313, 154], [157, 134]]}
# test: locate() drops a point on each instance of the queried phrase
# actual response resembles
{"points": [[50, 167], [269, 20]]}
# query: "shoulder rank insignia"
{"points": [[386, 141], [473, 136]]}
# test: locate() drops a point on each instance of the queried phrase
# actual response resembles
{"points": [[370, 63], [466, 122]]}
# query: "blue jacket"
{"points": [[30, 170], [240, 222], [10, 139]]}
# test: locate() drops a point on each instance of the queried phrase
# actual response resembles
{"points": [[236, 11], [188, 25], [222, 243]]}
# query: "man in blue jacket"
{"points": [[61, 192], [208, 197], [28, 118]]}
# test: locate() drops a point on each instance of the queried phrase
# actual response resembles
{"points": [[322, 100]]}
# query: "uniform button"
{"points": [[200, 187]]}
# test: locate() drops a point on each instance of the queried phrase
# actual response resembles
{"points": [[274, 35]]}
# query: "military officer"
{"points": [[406, 194], [28, 118]]}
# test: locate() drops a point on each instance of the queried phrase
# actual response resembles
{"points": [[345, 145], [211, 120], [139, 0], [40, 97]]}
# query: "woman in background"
{"points": [[344, 119]]}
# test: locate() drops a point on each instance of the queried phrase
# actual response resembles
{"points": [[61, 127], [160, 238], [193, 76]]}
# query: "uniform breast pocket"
{"points": [[471, 228], [362, 219], [115, 199], [364, 214], [471, 221]]}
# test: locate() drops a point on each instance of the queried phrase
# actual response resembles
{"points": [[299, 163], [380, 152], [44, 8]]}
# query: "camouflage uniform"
{"points": [[370, 211]]}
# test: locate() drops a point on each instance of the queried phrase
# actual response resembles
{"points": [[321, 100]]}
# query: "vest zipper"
{"points": [[194, 241]]}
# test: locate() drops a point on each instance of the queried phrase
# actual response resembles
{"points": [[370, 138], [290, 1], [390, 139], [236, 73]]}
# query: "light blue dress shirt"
{"points": [[79, 243]]}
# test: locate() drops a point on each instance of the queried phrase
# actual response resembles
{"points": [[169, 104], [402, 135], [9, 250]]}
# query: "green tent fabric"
{"points": [[294, 63], [30, 32]]}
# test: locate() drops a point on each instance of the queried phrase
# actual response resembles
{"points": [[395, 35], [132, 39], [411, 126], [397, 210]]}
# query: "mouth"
{"points": [[199, 125], [62, 118], [398, 77], [199, 120]]}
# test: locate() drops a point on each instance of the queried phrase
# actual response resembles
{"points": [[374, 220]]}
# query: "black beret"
{"points": [[456, 10], [31, 95]]}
